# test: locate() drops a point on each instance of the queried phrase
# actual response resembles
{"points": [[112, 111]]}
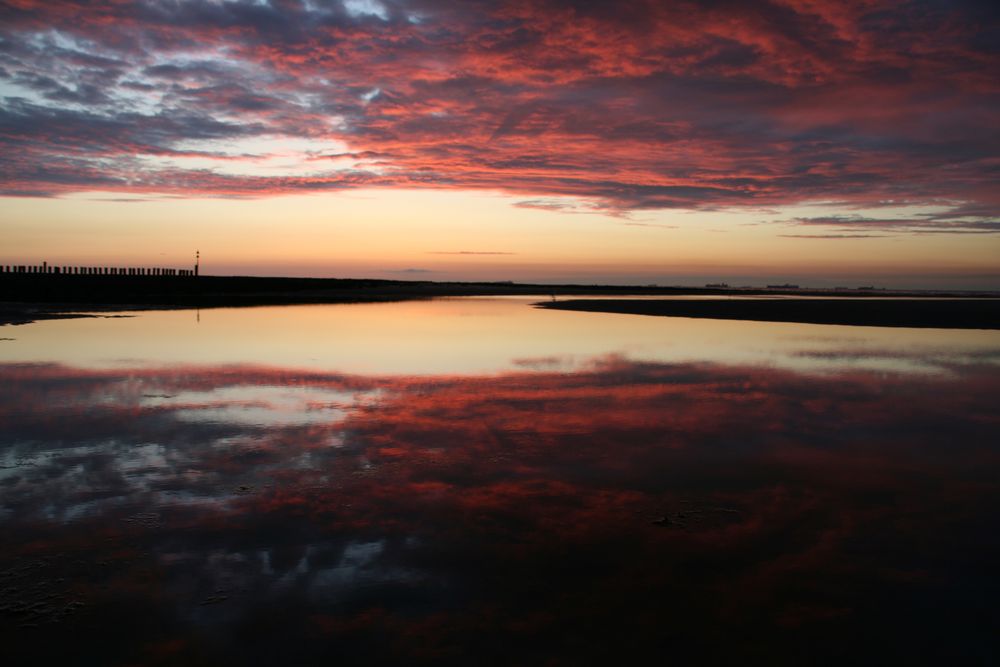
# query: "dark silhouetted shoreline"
{"points": [[900, 312], [26, 297]]}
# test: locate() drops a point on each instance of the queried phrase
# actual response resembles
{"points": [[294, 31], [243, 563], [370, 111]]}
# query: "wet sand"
{"points": [[921, 313]]}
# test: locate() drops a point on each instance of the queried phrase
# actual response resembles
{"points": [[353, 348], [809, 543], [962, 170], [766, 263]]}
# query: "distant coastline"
{"points": [[29, 297]]}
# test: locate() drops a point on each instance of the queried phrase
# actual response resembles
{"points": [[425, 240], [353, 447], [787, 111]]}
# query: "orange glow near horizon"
{"points": [[448, 235]]}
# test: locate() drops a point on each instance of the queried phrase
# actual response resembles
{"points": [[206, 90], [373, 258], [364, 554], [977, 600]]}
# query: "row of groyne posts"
{"points": [[45, 269]]}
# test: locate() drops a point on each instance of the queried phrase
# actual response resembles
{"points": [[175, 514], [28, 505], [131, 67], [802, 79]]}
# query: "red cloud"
{"points": [[652, 105]]}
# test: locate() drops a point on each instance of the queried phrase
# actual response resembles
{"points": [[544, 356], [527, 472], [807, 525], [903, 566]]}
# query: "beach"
{"points": [[966, 313]]}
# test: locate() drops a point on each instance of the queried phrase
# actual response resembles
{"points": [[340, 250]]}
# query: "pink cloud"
{"points": [[654, 105]]}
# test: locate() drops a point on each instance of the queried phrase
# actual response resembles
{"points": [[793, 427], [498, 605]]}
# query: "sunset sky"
{"points": [[748, 141]]}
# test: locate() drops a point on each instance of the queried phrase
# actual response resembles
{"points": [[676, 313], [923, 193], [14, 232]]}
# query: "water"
{"points": [[478, 481]]}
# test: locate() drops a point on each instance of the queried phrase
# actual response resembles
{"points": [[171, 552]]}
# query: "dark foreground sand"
{"points": [[935, 313]]}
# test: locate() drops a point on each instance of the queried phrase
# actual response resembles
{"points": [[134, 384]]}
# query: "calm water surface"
{"points": [[475, 481]]}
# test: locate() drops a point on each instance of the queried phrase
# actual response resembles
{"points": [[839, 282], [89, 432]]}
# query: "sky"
{"points": [[747, 141]]}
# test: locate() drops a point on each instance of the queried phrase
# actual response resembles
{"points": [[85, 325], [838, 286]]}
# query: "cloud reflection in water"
{"points": [[705, 512]]}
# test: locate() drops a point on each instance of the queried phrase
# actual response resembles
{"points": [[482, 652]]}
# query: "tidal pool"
{"points": [[475, 481]]}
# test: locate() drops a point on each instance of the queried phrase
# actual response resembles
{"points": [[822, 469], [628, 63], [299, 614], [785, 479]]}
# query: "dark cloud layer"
{"points": [[952, 222], [626, 105]]}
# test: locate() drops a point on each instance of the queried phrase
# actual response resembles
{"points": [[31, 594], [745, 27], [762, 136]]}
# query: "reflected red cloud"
{"points": [[644, 507], [651, 105]]}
